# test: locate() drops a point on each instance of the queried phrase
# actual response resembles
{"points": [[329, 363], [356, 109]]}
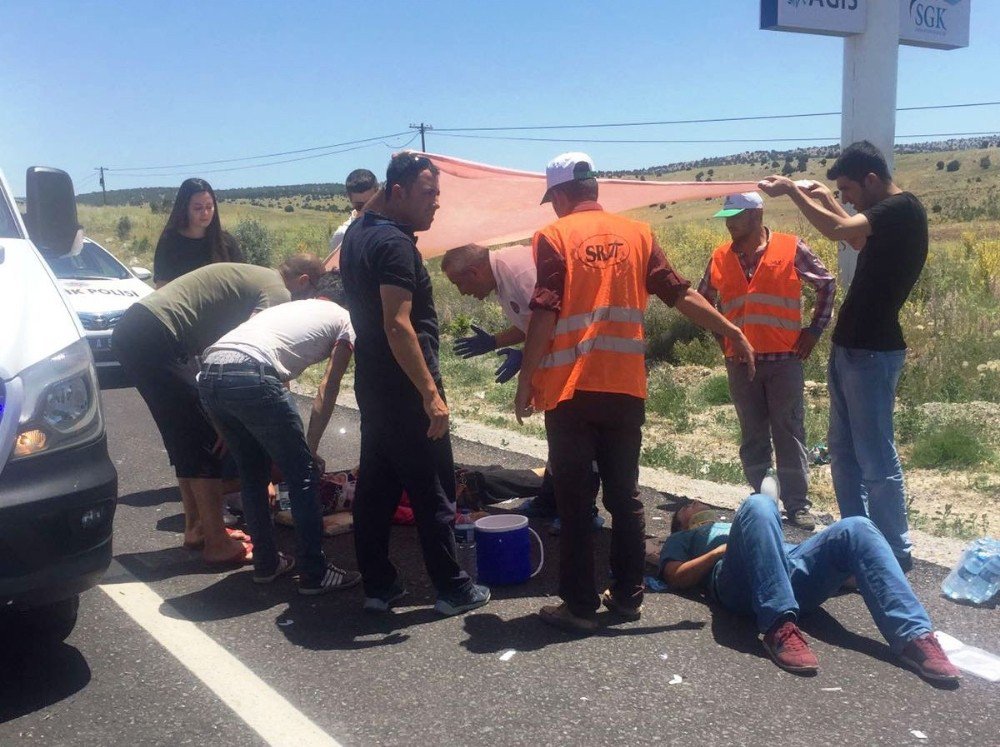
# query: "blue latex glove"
{"points": [[481, 342], [509, 368]]}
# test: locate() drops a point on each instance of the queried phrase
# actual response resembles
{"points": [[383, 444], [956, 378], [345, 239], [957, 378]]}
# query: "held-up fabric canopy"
{"points": [[489, 205]]}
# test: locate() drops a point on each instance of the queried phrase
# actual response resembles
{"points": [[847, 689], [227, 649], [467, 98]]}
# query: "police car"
{"points": [[100, 289]]}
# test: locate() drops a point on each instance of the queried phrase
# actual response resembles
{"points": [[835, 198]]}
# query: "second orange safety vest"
{"points": [[598, 344], [768, 306]]}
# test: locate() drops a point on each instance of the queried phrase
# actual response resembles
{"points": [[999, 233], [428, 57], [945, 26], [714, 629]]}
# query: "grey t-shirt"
{"points": [[200, 307]]}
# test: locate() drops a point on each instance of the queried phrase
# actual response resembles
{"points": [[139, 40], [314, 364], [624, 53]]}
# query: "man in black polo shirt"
{"points": [[404, 418], [868, 351]]}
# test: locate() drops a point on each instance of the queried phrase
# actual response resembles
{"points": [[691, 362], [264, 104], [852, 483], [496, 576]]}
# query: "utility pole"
{"points": [[104, 192], [423, 128]]}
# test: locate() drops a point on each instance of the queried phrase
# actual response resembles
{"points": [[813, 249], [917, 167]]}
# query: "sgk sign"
{"points": [[941, 24]]}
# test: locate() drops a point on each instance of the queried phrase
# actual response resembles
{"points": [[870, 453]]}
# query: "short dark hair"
{"points": [[404, 168], [360, 180], [857, 161], [302, 264], [331, 286], [579, 190]]}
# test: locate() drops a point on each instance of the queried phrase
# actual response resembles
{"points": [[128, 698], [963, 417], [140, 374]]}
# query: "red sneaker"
{"points": [[787, 646], [925, 655]]}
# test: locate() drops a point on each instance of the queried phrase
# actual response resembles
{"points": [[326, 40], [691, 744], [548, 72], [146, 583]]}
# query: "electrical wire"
{"points": [[708, 120], [269, 163], [701, 141], [253, 158]]}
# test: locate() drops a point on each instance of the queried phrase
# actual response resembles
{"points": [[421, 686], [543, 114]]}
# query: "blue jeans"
{"points": [[867, 475], [762, 575], [255, 414]]}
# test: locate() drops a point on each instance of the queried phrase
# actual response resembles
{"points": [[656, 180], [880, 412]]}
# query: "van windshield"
{"points": [[92, 263], [8, 223]]}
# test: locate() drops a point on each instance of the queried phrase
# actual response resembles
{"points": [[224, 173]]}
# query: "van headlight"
{"points": [[61, 407]]}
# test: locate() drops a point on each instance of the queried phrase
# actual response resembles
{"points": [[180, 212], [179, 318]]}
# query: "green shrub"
{"points": [[715, 390], [667, 398], [123, 228], [255, 241], [949, 445]]}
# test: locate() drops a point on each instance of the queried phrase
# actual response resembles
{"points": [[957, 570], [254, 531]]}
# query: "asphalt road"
{"points": [[412, 677]]}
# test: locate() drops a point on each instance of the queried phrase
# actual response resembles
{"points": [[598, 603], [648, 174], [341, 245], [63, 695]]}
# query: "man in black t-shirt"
{"points": [[866, 360], [404, 418]]}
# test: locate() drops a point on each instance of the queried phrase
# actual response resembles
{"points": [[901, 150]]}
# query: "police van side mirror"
{"points": [[142, 273], [51, 217]]}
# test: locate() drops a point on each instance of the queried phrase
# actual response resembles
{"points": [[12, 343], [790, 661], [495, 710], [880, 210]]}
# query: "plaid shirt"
{"points": [[810, 270]]}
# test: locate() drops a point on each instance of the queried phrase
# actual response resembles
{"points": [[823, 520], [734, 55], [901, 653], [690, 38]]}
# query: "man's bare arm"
{"points": [[689, 573], [397, 304], [326, 396]]}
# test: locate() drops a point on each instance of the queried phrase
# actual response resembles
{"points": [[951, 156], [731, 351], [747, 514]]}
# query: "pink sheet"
{"points": [[490, 205]]}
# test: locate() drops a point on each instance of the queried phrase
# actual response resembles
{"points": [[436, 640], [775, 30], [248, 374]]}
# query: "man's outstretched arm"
{"points": [[685, 574]]}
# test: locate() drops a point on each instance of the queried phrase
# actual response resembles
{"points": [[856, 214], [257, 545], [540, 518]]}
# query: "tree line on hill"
{"points": [[160, 196]]}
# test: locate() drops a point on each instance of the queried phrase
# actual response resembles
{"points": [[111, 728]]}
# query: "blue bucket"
{"points": [[503, 550]]}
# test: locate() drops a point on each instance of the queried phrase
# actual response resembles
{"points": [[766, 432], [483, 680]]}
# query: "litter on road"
{"points": [[507, 655]]}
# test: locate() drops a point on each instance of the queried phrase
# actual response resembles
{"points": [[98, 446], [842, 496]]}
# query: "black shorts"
{"points": [[165, 379]]}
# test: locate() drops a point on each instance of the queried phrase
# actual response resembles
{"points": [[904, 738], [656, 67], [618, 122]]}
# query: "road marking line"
{"points": [[276, 720]]}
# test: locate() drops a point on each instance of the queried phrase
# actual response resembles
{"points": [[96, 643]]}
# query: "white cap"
{"points": [[737, 203], [567, 167]]}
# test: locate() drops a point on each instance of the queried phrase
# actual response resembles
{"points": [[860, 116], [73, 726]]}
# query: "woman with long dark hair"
{"points": [[193, 236]]}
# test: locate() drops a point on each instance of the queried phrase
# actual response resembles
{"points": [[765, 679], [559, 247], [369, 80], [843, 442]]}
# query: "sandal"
{"points": [[286, 563], [235, 534], [241, 557]]}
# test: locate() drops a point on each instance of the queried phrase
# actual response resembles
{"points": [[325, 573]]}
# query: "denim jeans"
{"points": [[867, 475], [257, 418], [762, 575]]}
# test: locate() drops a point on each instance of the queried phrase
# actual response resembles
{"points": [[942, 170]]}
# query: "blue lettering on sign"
{"points": [[928, 16], [841, 4]]}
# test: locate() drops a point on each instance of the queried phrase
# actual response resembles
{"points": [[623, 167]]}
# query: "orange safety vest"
{"points": [[598, 344], [768, 307]]}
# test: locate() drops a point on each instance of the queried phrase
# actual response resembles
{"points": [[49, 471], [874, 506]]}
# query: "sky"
{"points": [[139, 85]]}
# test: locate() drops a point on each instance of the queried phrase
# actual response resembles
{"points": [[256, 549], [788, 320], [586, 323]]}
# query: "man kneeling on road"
{"points": [[510, 272], [243, 387], [748, 568]]}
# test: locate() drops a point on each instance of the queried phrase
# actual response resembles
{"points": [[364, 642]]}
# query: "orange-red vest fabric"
{"points": [[598, 344], [768, 307]]}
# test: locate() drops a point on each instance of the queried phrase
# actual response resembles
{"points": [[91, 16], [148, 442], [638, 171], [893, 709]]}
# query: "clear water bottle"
{"points": [[976, 578], [770, 486], [465, 541]]}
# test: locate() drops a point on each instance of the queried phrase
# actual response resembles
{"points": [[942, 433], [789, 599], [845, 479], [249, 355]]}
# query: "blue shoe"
{"points": [[530, 509], [463, 601]]}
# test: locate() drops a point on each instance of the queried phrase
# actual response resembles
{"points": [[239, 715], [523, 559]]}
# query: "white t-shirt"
{"points": [[333, 259], [515, 273], [290, 337]]}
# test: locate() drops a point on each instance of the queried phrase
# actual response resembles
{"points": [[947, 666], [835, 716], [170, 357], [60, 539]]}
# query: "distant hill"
{"points": [[165, 195], [797, 155]]}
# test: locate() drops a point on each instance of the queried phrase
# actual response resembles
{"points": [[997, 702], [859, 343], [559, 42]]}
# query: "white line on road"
{"points": [[276, 720]]}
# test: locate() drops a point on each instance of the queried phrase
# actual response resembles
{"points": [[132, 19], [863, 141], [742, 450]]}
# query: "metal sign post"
{"points": [[872, 31]]}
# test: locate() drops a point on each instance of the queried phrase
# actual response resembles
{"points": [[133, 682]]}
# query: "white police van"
{"points": [[58, 486], [100, 289]]}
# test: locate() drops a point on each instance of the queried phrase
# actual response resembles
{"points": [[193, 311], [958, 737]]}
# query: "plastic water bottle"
{"points": [[976, 578], [465, 541], [770, 486]]}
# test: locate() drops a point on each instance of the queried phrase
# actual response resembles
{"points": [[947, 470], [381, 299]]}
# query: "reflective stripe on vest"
{"points": [[600, 314], [598, 340], [768, 306], [608, 343]]}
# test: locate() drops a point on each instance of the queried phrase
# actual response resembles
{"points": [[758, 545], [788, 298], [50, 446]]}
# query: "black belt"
{"points": [[245, 367]]}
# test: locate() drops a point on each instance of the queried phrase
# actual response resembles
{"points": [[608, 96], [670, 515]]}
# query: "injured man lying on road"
{"points": [[747, 567]]}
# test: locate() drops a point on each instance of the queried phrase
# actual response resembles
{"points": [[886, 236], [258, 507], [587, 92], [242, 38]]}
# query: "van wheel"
{"points": [[51, 623]]}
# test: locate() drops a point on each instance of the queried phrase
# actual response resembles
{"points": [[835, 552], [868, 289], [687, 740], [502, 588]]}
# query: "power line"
{"points": [[253, 158], [708, 120], [269, 163], [835, 139]]}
